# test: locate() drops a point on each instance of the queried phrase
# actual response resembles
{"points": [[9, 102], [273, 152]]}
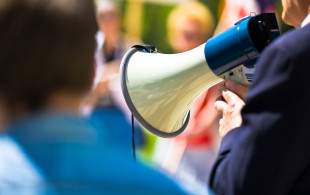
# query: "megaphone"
{"points": [[159, 89]]}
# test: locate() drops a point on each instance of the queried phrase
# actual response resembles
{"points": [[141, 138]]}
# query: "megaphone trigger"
{"points": [[238, 75]]}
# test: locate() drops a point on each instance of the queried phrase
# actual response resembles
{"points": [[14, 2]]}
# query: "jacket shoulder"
{"points": [[293, 43]]}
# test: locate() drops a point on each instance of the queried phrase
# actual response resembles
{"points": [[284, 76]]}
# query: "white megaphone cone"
{"points": [[160, 88]]}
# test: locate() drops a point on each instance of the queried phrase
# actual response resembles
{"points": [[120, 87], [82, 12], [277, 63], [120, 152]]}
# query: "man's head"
{"points": [[189, 25], [295, 11], [47, 46]]}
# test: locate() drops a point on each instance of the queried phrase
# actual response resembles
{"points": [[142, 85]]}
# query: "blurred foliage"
{"points": [[154, 27], [213, 6]]}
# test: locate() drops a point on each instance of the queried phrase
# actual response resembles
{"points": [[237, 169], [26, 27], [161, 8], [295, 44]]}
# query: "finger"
{"points": [[233, 99], [237, 88], [221, 122], [221, 86], [221, 127], [221, 106]]}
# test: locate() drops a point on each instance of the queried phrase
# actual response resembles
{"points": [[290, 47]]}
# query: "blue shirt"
{"points": [[74, 160]]}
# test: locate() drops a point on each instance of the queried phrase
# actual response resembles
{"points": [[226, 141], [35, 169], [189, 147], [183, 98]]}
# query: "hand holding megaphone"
{"points": [[159, 89]]}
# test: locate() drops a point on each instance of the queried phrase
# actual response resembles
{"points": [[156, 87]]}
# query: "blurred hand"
{"points": [[230, 105]]}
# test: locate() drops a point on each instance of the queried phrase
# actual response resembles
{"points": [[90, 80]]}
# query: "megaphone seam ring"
{"points": [[130, 104]]}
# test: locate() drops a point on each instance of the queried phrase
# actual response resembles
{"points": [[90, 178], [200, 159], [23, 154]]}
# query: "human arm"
{"points": [[254, 158]]}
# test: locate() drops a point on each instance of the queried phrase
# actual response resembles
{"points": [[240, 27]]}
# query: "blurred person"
{"points": [[106, 106], [192, 153], [112, 44], [47, 69], [109, 50], [189, 25], [264, 149]]}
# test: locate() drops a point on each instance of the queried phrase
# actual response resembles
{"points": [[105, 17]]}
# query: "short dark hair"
{"points": [[45, 46]]}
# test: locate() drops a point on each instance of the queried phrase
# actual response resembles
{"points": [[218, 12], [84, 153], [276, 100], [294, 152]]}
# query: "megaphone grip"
{"points": [[237, 74]]}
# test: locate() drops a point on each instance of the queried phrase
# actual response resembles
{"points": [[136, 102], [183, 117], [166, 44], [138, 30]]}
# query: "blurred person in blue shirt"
{"points": [[47, 69]]}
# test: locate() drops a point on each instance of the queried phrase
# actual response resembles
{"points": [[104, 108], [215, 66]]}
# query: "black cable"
{"points": [[133, 137]]}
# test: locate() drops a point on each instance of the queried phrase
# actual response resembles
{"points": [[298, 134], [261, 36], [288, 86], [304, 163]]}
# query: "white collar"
{"points": [[306, 21]]}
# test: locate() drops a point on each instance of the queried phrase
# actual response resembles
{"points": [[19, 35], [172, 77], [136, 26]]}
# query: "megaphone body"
{"points": [[159, 89]]}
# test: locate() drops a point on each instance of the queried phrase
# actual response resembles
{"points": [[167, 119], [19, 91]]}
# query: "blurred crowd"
{"points": [[65, 124]]}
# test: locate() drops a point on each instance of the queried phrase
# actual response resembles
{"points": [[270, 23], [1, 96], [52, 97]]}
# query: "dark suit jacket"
{"points": [[270, 152]]}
